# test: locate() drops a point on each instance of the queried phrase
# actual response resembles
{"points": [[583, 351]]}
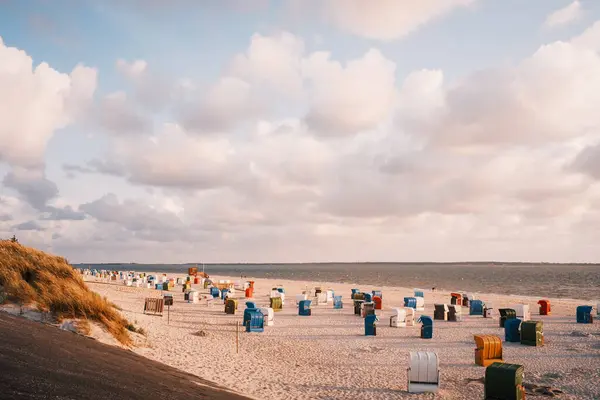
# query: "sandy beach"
{"points": [[327, 356]]}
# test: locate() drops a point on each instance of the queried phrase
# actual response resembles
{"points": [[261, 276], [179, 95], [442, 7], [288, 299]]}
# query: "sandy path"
{"points": [[327, 356]]}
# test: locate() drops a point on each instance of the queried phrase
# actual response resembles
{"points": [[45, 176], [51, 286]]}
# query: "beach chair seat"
{"points": [[440, 312], [504, 381], [269, 316], [532, 333], [488, 349], [423, 372], [456, 299], [192, 296], [370, 325], [511, 330], [398, 318]]}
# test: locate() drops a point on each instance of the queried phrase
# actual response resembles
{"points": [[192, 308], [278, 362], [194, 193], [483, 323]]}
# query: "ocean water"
{"points": [[540, 280]]}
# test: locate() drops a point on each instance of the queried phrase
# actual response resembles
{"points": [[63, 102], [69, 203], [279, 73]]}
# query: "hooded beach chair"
{"points": [[256, 320], [250, 304], [511, 330], [544, 307], [410, 302], [504, 381], [231, 306], [304, 308], [419, 293], [214, 292], [329, 295], [398, 318], [584, 315], [488, 349], [456, 299], [276, 303], [368, 297], [532, 333], [476, 307], [455, 312], [269, 316], [440, 312], [337, 302], [354, 292], [377, 293], [426, 327], [378, 302], [370, 322], [423, 372]]}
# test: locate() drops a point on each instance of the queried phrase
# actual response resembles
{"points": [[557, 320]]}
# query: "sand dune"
{"points": [[327, 356]]}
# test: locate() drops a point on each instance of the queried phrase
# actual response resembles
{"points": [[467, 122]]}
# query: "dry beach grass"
{"points": [[48, 283]]}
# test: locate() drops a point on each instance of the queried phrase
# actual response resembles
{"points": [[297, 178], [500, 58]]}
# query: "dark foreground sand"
{"points": [[42, 362]]}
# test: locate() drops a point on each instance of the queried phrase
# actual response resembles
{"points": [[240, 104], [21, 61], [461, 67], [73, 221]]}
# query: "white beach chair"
{"points": [[598, 309], [321, 298], [522, 311], [420, 304], [268, 315], [329, 296], [300, 297], [423, 372], [193, 297], [410, 316], [398, 318]]}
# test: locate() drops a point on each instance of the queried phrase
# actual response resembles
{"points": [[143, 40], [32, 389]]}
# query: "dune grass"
{"points": [[32, 277]]}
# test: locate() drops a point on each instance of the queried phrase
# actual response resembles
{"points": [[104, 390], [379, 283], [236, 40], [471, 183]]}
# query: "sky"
{"points": [[158, 131]]}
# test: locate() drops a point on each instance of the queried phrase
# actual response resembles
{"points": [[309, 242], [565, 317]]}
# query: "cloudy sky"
{"points": [[301, 130]]}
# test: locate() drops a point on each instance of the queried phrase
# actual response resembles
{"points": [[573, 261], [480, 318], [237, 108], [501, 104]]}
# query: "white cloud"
{"points": [[386, 19], [349, 99], [35, 102], [565, 15]]}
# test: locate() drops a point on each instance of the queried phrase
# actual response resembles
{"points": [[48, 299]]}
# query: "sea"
{"points": [[573, 281]]}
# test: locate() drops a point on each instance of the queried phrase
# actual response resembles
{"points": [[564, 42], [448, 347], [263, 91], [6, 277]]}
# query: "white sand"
{"points": [[327, 356]]}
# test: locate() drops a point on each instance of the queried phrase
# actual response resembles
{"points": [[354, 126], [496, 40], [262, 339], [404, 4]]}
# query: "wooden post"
{"points": [[237, 337], [168, 314]]}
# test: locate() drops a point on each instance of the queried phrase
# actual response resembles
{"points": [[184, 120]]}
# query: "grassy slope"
{"points": [[30, 276]]}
